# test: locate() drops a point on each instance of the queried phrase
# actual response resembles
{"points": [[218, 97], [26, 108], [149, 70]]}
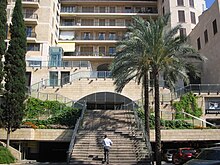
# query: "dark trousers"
{"points": [[106, 154]]}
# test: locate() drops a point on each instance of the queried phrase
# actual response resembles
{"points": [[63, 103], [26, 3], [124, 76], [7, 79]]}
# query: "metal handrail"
{"points": [[197, 118], [75, 131], [140, 125], [69, 79]]}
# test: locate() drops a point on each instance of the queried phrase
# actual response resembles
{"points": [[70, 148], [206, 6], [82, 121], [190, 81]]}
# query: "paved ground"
{"points": [[45, 163]]}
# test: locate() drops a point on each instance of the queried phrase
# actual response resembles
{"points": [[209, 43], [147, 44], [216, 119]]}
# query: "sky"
{"points": [[209, 3]]}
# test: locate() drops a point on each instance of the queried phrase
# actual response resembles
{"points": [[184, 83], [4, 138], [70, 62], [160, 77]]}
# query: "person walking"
{"points": [[107, 143]]}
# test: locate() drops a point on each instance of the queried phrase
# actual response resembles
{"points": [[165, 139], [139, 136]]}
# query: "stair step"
{"points": [[128, 145]]}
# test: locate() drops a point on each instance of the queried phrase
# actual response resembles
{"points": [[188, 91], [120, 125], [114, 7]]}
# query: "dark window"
{"points": [[193, 17], [215, 29], [198, 44], [180, 3], [206, 36], [182, 32], [33, 47], [191, 3], [181, 15], [163, 11]]}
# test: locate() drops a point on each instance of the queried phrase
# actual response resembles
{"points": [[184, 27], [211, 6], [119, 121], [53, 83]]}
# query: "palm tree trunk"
{"points": [[146, 107], [157, 118]]}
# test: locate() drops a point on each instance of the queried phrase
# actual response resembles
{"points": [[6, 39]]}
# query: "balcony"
{"points": [[67, 11], [30, 18], [94, 24], [90, 56], [31, 3], [107, 0], [31, 36]]}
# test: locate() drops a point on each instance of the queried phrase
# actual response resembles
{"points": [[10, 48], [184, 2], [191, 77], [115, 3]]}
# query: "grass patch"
{"points": [[6, 156]]}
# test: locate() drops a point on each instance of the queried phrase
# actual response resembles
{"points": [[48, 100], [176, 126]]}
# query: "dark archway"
{"points": [[103, 67], [105, 100]]}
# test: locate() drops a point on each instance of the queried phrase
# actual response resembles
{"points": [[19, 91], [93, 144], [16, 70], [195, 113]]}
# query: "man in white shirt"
{"points": [[107, 143]]}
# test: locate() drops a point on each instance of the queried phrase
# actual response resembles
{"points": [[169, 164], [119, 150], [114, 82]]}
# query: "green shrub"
{"points": [[6, 156], [166, 124], [188, 103], [49, 114]]}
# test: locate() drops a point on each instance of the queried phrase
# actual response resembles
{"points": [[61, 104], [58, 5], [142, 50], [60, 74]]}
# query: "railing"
{"points": [[103, 37], [79, 75], [93, 53], [102, 0], [139, 123], [71, 64], [31, 1], [31, 34], [30, 16], [204, 122], [76, 128], [94, 23]]}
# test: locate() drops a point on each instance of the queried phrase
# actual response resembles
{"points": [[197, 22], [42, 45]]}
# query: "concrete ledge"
{"points": [[187, 135], [63, 135]]}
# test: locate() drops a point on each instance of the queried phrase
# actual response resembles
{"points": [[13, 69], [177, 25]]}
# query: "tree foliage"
{"points": [[131, 63], [15, 68], [165, 53]]}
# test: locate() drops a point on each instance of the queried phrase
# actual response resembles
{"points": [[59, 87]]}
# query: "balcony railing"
{"points": [[31, 1], [94, 24], [102, 0], [30, 16], [93, 53], [31, 34], [107, 10], [104, 38], [71, 64]]}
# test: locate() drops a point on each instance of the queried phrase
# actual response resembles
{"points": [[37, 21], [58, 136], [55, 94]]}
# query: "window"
{"points": [[112, 9], [88, 9], [53, 78], [181, 15], [206, 36], [128, 10], [101, 22], [198, 43], [180, 3], [191, 3], [102, 9], [34, 63], [112, 36], [214, 25], [112, 51], [33, 47], [193, 17], [29, 31], [182, 32], [101, 36], [101, 51], [86, 36], [111, 22], [163, 11]]}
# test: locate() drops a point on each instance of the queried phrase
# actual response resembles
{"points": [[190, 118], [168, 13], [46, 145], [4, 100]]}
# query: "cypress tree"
{"points": [[15, 68], [3, 25]]}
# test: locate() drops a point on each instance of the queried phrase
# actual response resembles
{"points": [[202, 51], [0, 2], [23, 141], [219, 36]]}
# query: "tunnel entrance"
{"points": [[105, 100], [105, 106]]}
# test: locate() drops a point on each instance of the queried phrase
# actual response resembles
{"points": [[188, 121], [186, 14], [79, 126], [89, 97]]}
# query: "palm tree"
{"points": [[161, 51], [131, 63]]}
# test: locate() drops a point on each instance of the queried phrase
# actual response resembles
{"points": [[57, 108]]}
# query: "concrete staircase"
{"points": [[128, 147]]}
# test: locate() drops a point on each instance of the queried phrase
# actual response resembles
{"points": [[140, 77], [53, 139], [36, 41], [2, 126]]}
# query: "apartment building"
{"points": [[205, 38], [184, 12], [69, 39]]}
